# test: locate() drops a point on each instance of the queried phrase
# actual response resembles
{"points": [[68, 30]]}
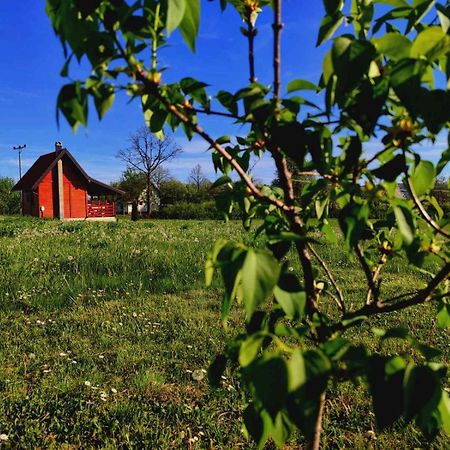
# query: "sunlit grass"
{"points": [[106, 331]]}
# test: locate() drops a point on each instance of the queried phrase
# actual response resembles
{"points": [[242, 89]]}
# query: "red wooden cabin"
{"points": [[57, 186]]}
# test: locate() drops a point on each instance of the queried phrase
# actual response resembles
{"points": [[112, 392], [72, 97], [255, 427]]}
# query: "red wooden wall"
{"points": [[74, 192], [47, 195]]}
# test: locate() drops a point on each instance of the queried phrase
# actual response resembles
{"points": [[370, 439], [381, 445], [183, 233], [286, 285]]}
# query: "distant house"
{"points": [[56, 186], [125, 207]]}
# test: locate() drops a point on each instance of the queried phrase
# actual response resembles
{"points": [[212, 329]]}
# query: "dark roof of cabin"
{"points": [[46, 162]]}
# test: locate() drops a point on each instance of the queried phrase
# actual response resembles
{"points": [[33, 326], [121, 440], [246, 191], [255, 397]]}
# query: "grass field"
{"points": [[106, 331]]}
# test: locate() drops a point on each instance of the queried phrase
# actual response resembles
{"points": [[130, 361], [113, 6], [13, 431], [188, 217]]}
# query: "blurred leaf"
{"points": [[270, 372], [394, 45], [443, 315], [405, 223], [392, 169], [175, 14], [423, 177], [431, 43], [258, 425], [300, 85], [259, 276], [189, 26], [328, 26], [290, 296], [249, 349]]}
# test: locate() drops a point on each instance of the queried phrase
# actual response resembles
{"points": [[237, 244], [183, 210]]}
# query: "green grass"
{"points": [[103, 328]]}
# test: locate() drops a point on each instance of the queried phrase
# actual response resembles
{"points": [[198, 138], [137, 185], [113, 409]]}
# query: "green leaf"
{"points": [[431, 43], [423, 177], [444, 17], [443, 315], [269, 372], [392, 169], [175, 14], [260, 273], [281, 429], [444, 412], [328, 26], [258, 424], [300, 85], [104, 97], [296, 370], [394, 45], [224, 179], [228, 100], [444, 159], [386, 388], [290, 296], [422, 390], [72, 102], [333, 6], [395, 3], [353, 221], [405, 223], [189, 26], [249, 349]]}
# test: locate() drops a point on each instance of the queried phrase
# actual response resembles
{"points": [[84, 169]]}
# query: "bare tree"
{"points": [[160, 175], [146, 154], [197, 178]]}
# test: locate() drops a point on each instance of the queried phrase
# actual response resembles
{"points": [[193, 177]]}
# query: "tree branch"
{"points": [[251, 32], [209, 112], [277, 27], [421, 208], [340, 297], [373, 289], [422, 296]]}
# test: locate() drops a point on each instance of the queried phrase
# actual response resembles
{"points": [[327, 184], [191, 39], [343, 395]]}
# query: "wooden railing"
{"points": [[101, 208]]}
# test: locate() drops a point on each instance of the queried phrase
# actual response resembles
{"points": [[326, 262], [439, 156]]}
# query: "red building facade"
{"points": [[56, 186]]}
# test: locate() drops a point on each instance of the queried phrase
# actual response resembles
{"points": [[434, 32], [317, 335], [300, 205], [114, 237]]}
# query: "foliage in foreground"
{"points": [[385, 78]]}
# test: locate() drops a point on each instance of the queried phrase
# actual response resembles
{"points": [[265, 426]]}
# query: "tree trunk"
{"points": [[134, 211], [314, 442], [148, 194]]}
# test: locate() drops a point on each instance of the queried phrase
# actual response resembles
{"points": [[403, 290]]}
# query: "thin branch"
{"points": [[421, 208], [210, 112], [277, 27], [422, 296], [373, 289], [251, 32], [340, 297]]}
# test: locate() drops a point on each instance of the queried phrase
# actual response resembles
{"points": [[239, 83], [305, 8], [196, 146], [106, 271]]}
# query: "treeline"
{"points": [[9, 201]]}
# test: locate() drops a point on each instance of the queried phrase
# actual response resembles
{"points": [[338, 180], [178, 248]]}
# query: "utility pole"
{"points": [[20, 148]]}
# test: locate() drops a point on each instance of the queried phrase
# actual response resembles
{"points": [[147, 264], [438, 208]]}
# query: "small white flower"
{"points": [[70, 258], [87, 383], [101, 356], [114, 390], [198, 375], [134, 314], [74, 361], [4, 437], [189, 346], [62, 354]]}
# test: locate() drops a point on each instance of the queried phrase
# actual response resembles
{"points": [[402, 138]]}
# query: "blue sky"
{"points": [[31, 59]]}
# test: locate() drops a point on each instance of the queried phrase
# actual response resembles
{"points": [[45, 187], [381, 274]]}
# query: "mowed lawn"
{"points": [[106, 332]]}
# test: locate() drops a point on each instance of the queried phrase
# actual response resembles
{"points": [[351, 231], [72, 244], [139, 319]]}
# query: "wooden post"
{"points": [[60, 189]]}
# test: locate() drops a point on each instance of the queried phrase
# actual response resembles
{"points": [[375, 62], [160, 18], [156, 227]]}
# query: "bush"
{"points": [[197, 211]]}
